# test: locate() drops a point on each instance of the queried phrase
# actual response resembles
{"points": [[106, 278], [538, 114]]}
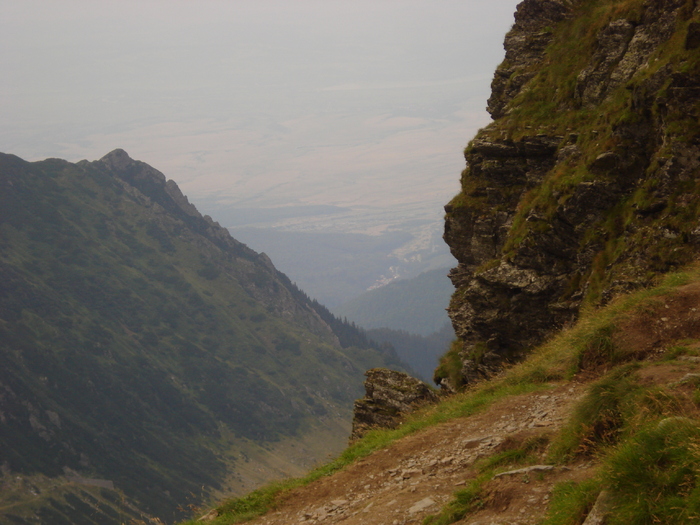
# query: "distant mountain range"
{"points": [[147, 358], [417, 305], [335, 267], [421, 353], [410, 315]]}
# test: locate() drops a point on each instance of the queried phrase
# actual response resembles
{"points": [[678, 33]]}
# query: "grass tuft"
{"points": [[571, 502], [661, 463], [599, 417], [464, 502]]}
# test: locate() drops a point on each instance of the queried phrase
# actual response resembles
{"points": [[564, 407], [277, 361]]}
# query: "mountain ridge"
{"points": [[143, 346]]}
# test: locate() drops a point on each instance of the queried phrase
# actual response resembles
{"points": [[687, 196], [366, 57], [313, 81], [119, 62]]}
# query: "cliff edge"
{"points": [[585, 185]]}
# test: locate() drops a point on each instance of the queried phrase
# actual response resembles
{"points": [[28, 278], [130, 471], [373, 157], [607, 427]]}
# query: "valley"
{"points": [[570, 393], [154, 368]]}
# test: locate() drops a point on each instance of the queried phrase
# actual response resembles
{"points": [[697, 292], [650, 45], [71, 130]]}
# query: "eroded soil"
{"points": [[417, 475]]}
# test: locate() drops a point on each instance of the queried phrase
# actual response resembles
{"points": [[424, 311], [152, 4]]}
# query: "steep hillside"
{"points": [[146, 357], [586, 183], [599, 425]]}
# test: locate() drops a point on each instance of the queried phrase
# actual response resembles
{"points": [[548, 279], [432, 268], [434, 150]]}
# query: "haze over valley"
{"points": [[162, 361], [315, 117], [148, 360]]}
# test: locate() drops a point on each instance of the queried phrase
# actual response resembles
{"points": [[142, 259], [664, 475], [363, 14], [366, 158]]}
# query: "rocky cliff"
{"points": [[583, 188], [585, 185], [389, 397]]}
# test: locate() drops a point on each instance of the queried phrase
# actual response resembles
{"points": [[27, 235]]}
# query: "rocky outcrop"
{"points": [[525, 46], [623, 46], [585, 185], [389, 397]]}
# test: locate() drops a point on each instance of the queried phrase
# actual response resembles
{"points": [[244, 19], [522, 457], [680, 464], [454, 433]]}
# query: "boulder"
{"points": [[389, 397]]}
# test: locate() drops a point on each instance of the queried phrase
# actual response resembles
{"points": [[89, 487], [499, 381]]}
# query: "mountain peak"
{"points": [[167, 301], [117, 159]]}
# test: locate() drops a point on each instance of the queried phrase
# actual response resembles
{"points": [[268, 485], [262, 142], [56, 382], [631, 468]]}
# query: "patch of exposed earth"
{"points": [[418, 474]]}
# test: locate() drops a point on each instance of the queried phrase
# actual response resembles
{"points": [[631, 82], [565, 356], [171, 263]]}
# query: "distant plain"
{"points": [[274, 109]]}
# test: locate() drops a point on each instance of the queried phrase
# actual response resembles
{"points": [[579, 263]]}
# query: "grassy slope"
{"points": [[646, 437], [132, 350]]}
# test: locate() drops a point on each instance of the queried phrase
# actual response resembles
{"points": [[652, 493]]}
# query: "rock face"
{"points": [[525, 45], [585, 185], [390, 395]]}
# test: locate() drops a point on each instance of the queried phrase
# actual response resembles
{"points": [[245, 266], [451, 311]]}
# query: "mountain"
{"points": [[572, 394], [414, 305], [337, 266], [585, 185], [147, 358]]}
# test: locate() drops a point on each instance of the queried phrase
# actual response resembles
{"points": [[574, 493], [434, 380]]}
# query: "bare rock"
{"points": [[390, 395], [421, 505], [599, 511], [526, 470], [624, 47], [613, 42], [209, 516], [525, 45]]}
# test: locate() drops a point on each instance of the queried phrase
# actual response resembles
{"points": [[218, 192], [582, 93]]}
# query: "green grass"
{"points": [[599, 418], [571, 502], [465, 501], [662, 463], [614, 409]]}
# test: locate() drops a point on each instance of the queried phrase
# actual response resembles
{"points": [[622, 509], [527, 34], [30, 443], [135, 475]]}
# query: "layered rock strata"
{"points": [[584, 186], [390, 396]]}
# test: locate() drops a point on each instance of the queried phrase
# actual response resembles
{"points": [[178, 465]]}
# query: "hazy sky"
{"points": [[265, 103]]}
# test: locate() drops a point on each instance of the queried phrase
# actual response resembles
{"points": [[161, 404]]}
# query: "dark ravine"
{"points": [[585, 185]]}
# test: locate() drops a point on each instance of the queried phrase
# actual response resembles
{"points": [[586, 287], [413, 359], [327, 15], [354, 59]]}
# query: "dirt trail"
{"points": [[418, 474]]}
